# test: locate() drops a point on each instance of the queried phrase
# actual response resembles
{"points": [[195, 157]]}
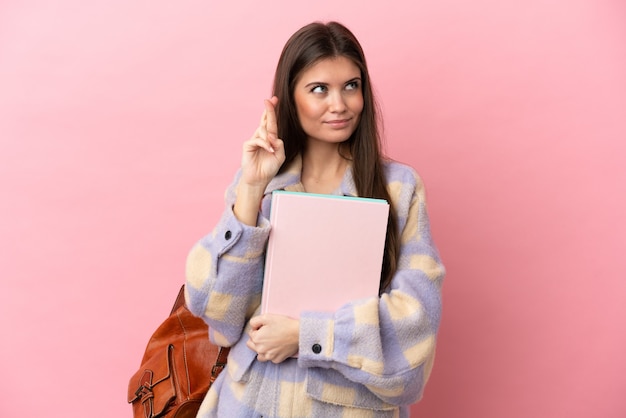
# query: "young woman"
{"points": [[370, 358]]}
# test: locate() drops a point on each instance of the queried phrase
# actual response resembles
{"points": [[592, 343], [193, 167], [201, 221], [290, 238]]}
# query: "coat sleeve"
{"points": [[385, 344], [224, 274]]}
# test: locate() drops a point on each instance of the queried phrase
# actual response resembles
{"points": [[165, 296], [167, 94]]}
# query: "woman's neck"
{"points": [[323, 167]]}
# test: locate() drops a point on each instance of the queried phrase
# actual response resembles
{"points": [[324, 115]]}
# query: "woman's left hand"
{"points": [[274, 337]]}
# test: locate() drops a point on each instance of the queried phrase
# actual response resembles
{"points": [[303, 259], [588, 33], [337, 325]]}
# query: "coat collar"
{"points": [[290, 180]]}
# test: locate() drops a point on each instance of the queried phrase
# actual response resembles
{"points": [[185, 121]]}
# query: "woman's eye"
{"points": [[318, 89], [353, 85]]}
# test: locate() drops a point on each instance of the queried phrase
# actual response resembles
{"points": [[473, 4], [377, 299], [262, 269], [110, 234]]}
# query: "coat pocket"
{"points": [[330, 386]]}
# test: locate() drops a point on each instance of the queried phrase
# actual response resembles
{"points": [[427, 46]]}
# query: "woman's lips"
{"points": [[338, 123]]}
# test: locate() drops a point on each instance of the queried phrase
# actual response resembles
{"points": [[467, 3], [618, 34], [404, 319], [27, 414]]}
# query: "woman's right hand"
{"points": [[263, 155]]}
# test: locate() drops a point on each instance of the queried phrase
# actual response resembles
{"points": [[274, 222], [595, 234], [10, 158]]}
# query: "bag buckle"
{"points": [[217, 369], [145, 393]]}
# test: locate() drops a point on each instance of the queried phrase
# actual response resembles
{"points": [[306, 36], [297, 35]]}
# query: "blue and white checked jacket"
{"points": [[376, 354]]}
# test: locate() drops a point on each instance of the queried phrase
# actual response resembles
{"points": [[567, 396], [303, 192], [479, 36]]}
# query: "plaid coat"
{"points": [[376, 353]]}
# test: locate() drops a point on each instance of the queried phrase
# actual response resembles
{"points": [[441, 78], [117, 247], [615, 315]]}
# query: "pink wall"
{"points": [[121, 124]]}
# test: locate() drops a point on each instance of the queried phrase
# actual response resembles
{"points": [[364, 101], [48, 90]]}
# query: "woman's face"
{"points": [[329, 100]]}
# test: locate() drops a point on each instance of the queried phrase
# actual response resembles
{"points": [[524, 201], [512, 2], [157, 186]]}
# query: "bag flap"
{"points": [[153, 385]]}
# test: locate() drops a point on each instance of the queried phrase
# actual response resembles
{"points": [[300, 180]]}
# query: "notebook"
{"points": [[323, 251]]}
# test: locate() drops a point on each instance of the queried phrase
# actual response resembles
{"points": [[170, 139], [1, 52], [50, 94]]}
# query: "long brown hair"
{"points": [[306, 47]]}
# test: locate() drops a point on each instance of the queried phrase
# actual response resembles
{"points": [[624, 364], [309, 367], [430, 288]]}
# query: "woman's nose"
{"points": [[337, 102]]}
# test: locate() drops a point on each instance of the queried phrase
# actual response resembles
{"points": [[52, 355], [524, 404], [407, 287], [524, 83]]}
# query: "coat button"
{"points": [[228, 235], [316, 348]]}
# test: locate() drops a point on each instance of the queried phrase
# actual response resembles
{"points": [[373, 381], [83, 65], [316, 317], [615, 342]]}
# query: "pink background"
{"points": [[121, 124]]}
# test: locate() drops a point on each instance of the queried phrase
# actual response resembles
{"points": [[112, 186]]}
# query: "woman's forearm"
{"points": [[247, 204]]}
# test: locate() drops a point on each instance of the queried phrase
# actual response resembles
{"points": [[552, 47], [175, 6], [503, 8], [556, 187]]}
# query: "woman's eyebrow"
{"points": [[323, 83], [316, 83]]}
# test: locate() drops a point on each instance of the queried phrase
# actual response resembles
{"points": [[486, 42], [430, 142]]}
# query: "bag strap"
{"points": [[180, 299], [220, 363]]}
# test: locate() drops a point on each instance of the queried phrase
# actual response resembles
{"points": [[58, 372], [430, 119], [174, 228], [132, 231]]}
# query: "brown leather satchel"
{"points": [[178, 367]]}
